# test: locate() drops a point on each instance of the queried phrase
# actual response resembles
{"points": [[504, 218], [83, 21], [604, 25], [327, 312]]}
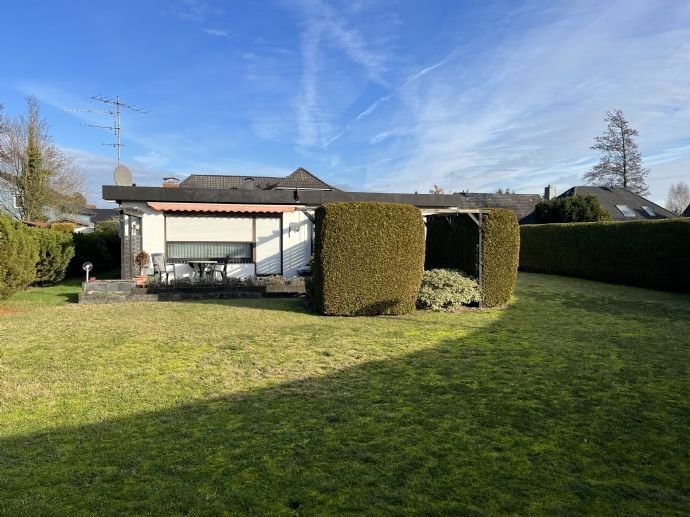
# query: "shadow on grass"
{"points": [[473, 425]]}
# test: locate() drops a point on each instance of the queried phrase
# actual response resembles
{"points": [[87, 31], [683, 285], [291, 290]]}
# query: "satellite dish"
{"points": [[123, 176]]}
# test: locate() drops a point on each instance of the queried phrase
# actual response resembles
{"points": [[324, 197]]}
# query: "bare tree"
{"points": [[437, 190], [620, 164], [45, 180], [678, 197]]}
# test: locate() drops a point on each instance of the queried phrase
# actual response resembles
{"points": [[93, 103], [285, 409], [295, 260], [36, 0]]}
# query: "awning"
{"points": [[221, 207]]}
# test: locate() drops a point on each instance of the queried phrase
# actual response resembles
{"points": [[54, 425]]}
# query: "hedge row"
{"points": [[368, 258], [652, 254], [55, 250], [101, 248], [452, 243], [31, 255], [18, 256]]}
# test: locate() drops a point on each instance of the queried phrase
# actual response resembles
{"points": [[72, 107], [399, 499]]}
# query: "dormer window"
{"points": [[249, 184]]}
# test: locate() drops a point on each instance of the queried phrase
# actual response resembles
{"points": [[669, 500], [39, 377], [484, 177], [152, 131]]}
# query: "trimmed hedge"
{"points": [[101, 248], [453, 245], [368, 258], [55, 250], [62, 227], [18, 256], [652, 254]]}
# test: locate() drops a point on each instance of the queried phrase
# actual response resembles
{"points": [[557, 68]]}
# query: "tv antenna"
{"points": [[117, 106]]}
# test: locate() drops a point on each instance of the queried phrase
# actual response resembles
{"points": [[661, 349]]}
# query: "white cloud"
{"points": [[216, 32], [524, 114]]}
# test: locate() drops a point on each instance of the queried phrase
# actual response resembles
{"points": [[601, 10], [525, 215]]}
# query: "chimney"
{"points": [[549, 192], [171, 182]]}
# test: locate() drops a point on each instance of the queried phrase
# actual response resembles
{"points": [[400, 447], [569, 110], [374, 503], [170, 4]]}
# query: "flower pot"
{"points": [[140, 280]]}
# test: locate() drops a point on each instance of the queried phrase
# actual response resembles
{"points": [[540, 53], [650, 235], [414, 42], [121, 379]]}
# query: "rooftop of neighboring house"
{"points": [[687, 212], [299, 179], [621, 203]]}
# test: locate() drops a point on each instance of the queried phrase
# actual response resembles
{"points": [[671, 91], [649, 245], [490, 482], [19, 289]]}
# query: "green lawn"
{"points": [[575, 400]]}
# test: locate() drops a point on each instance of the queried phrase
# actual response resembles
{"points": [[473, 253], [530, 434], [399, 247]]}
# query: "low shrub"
{"points": [[652, 254], [571, 209], [368, 258], [55, 250], [18, 256], [452, 243], [447, 290]]}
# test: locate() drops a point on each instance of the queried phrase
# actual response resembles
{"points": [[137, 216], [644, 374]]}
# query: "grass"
{"points": [[572, 401]]}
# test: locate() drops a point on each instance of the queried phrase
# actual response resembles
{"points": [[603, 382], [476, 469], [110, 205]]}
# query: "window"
{"points": [[626, 210], [649, 211], [233, 252], [15, 201]]}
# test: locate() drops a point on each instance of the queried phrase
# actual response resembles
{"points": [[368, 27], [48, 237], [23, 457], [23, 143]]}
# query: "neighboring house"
{"points": [[620, 203], [687, 212], [261, 225], [8, 197], [8, 204]]}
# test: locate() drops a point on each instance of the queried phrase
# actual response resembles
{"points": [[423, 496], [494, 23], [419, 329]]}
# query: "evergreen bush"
{"points": [[55, 250], [571, 209], [368, 258], [18, 256]]}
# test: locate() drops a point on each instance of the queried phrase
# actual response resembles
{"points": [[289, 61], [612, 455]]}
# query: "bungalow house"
{"points": [[259, 225], [620, 203]]}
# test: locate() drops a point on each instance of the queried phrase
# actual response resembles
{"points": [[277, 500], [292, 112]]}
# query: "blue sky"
{"points": [[371, 95]]}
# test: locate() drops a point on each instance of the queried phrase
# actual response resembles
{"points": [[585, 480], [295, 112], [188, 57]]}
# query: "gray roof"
{"points": [[299, 179], [215, 181], [687, 212], [302, 178], [104, 214], [521, 204], [609, 197]]}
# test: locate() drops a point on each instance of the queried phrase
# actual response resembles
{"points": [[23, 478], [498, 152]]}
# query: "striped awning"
{"points": [[221, 207]]}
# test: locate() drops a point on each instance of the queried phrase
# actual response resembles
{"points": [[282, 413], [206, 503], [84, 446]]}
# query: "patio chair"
{"points": [[218, 272], [184, 272], [161, 270]]}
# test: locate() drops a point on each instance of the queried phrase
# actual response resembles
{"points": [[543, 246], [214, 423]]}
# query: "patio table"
{"points": [[201, 265]]}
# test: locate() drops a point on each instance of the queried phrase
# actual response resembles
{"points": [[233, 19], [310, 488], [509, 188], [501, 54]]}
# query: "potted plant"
{"points": [[142, 261]]}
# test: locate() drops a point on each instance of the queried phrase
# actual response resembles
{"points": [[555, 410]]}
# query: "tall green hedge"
{"points": [[55, 250], [101, 248], [652, 254], [368, 258], [18, 256], [452, 243], [500, 258]]}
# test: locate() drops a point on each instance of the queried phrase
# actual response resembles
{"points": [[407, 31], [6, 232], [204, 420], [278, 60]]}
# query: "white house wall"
{"points": [[152, 228], [297, 235], [268, 246]]}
